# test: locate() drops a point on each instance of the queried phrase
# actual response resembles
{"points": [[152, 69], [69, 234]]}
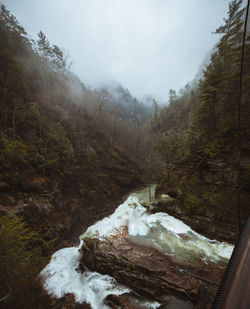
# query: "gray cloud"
{"points": [[149, 46]]}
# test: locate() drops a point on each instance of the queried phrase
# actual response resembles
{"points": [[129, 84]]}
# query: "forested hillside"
{"points": [[67, 153], [202, 144]]}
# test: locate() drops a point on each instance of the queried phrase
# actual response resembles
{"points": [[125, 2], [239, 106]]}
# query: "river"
{"points": [[159, 230]]}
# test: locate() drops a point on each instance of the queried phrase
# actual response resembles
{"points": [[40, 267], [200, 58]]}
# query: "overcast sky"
{"points": [[149, 46]]}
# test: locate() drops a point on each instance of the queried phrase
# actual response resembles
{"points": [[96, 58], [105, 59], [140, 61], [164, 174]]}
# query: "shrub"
{"points": [[194, 205], [19, 261], [13, 154], [214, 148]]}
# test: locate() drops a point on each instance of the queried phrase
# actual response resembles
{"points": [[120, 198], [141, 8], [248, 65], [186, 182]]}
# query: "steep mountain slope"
{"points": [[205, 150], [59, 169]]}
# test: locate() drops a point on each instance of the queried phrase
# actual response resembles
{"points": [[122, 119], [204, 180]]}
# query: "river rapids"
{"points": [[158, 230]]}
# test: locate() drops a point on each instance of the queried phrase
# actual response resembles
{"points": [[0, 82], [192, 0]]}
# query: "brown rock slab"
{"points": [[150, 272]]}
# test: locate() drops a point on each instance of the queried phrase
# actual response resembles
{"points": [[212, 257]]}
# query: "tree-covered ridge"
{"points": [[209, 109], [48, 115], [219, 88], [199, 128], [64, 153], [65, 147]]}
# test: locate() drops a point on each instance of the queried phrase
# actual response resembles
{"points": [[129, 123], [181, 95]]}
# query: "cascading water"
{"points": [[91, 287], [164, 232]]}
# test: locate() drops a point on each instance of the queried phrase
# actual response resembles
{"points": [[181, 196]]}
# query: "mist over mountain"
{"points": [[148, 46], [75, 140]]}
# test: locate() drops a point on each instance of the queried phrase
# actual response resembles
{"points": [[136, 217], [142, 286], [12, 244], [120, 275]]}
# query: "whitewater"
{"points": [[159, 230]]}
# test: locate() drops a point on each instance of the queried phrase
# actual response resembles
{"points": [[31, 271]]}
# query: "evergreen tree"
{"points": [[219, 87], [43, 45]]}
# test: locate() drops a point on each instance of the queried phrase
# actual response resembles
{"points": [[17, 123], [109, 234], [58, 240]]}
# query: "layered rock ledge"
{"points": [[149, 272]]}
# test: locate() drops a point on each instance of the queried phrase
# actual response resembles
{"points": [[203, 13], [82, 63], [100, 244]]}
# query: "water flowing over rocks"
{"points": [[150, 272], [139, 258], [204, 225]]}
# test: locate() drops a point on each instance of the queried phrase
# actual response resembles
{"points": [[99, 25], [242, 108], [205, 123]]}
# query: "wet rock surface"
{"points": [[150, 272], [131, 301], [127, 300]]}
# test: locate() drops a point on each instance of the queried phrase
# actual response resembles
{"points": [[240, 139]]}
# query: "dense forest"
{"points": [[64, 149], [205, 137], [68, 153]]}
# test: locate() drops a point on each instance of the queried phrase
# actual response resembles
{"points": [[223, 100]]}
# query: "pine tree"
{"points": [[219, 87], [43, 45]]}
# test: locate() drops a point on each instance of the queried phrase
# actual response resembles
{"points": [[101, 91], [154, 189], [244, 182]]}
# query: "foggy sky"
{"points": [[149, 46]]}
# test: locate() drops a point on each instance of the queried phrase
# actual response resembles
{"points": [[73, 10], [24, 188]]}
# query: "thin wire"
{"points": [[239, 116]]}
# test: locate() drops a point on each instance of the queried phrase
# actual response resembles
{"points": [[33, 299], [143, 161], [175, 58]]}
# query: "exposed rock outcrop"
{"points": [[150, 272]]}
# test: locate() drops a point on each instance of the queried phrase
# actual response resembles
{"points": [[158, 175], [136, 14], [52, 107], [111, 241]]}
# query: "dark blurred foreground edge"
{"points": [[234, 291]]}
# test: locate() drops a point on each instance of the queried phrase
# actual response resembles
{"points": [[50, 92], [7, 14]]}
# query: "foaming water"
{"points": [[160, 230], [189, 247], [130, 213], [61, 277]]}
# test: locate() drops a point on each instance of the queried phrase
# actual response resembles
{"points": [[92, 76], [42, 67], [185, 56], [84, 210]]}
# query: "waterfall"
{"points": [[159, 230]]}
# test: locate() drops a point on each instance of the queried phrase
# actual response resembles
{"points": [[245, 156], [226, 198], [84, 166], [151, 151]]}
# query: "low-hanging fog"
{"points": [[149, 46]]}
